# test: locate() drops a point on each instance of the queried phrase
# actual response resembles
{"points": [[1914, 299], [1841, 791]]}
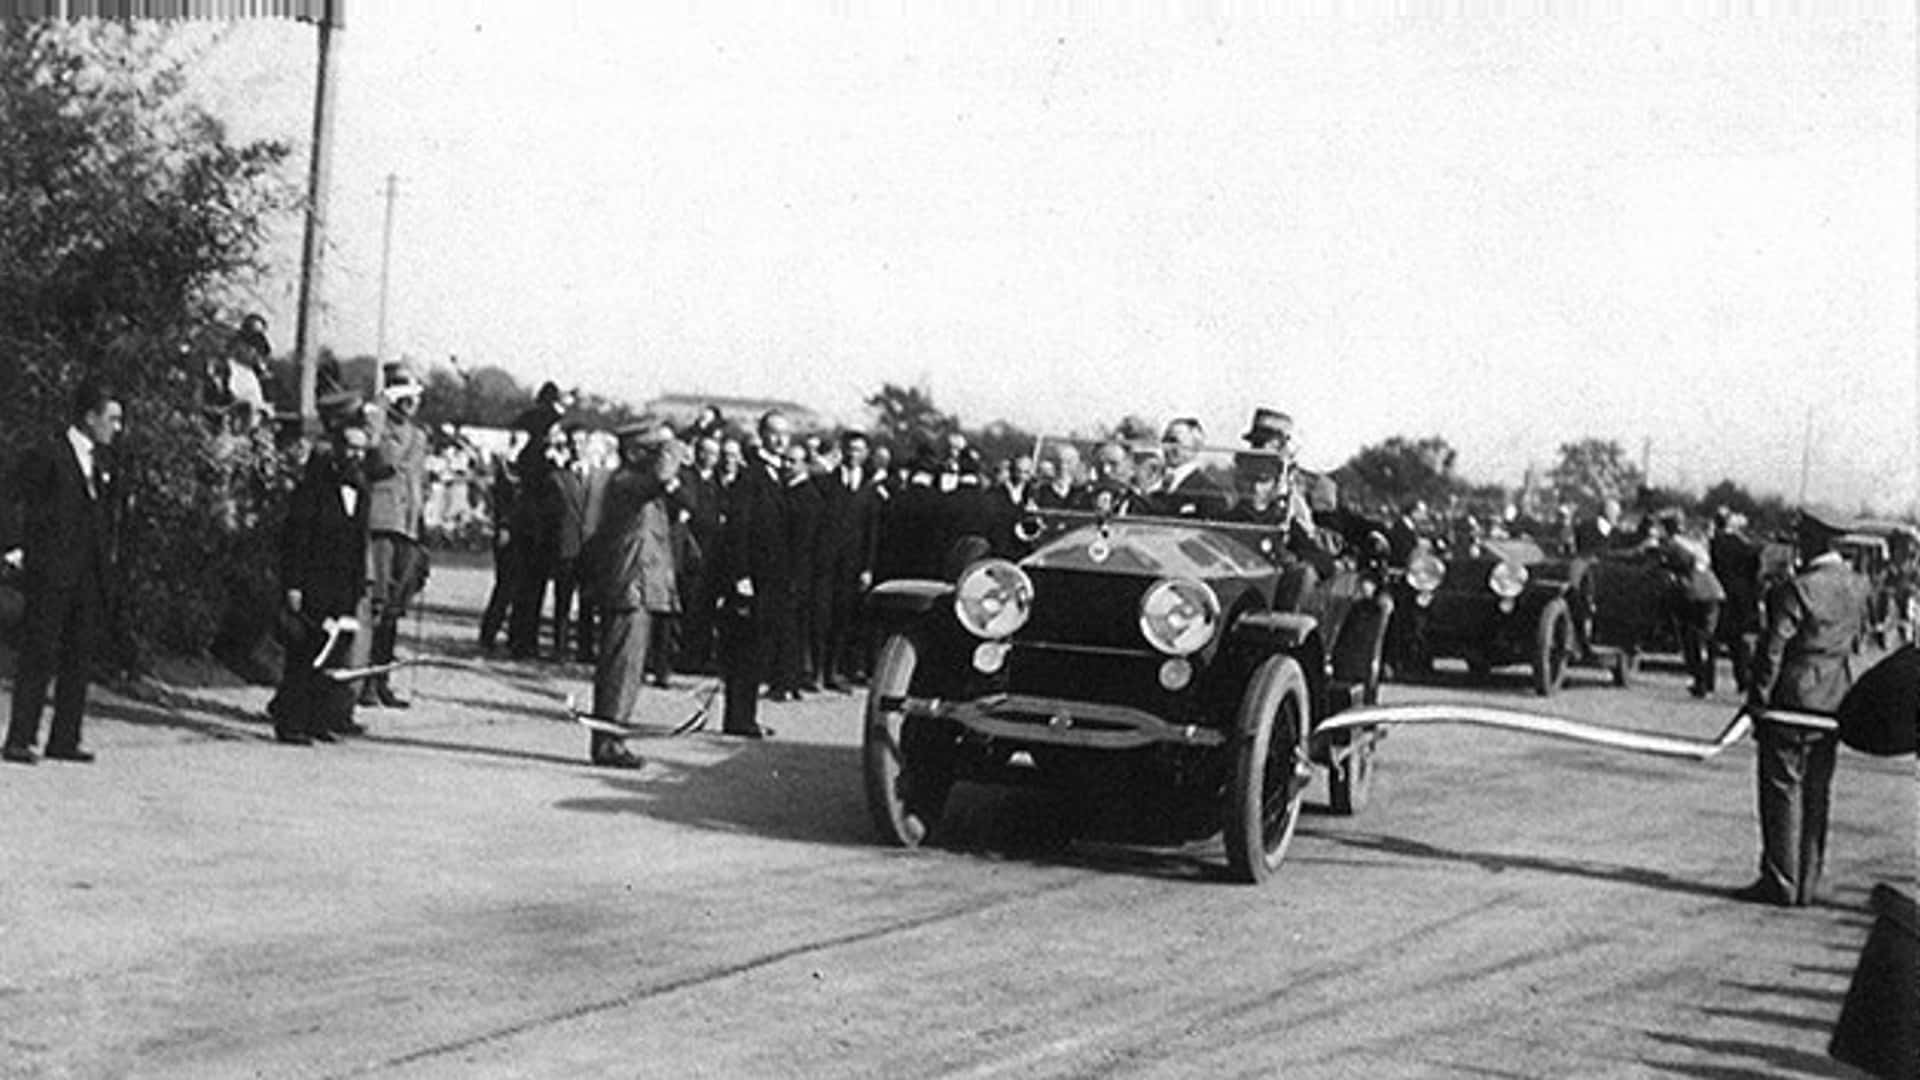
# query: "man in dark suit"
{"points": [[570, 487], [700, 489], [805, 508], [1187, 490], [69, 517], [1814, 622], [755, 567], [1736, 562], [1011, 501], [850, 534], [1600, 532], [323, 553]]}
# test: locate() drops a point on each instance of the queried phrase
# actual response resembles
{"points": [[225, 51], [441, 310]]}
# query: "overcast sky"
{"points": [[1511, 233]]}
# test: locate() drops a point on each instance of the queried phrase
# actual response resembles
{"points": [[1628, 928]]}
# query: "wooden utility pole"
{"points": [[386, 269], [313, 246], [1806, 456]]}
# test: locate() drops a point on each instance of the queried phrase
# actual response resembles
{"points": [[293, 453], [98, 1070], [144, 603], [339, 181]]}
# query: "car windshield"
{"points": [[1165, 479]]}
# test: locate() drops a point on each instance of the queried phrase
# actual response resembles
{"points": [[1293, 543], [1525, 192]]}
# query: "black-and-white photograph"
{"points": [[593, 539]]}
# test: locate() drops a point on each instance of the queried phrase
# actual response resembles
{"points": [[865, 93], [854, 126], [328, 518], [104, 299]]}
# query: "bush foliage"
{"points": [[127, 215]]}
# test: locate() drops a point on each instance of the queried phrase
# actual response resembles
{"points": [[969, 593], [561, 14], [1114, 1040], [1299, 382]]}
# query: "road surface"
{"points": [[459, 894]]}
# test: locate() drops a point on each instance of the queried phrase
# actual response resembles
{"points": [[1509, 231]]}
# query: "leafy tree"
{"points": [[904, 413], [1401, 470], [1591, 470], [999, 441], [126, 217]]}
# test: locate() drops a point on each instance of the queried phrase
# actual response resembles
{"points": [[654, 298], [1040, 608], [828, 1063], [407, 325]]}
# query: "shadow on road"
{"points": [[775, 789], [141, 714], [1752, 1056], [501, 753], [1497, 862]]}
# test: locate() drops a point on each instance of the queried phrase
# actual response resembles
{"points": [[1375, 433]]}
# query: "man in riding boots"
{"points": [[396, 500]]}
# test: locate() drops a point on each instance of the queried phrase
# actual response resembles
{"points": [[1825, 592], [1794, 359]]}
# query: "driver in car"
{"points": [[1111, 492]]}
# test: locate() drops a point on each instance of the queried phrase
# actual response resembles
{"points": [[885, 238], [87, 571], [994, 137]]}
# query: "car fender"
{"points": [[1286, 631], [906, 599]]}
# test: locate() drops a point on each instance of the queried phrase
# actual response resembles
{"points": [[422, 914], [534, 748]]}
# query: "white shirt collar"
{"points": [[82, 444], [1178, 475]]}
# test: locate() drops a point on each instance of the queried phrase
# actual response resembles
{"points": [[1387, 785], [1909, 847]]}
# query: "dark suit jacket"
{"points": [[805, 509], [323, 548], [1813, 621], [914, 532], [68, 533], [1736, 562], [1197, 495], [753, 541], [572, 488]]}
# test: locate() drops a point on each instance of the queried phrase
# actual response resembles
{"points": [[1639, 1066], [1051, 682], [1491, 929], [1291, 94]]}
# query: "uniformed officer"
{"points": [[1814, 621]]}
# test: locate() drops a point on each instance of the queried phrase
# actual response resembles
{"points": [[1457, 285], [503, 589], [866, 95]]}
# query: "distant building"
{"points": [[739, 412]]}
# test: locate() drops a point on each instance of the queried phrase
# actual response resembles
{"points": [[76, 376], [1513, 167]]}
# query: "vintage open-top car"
{"points": [[1497, 602], [1159, 648]]}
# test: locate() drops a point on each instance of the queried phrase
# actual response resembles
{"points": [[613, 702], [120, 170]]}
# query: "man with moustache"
{"points": [[322, 573]]}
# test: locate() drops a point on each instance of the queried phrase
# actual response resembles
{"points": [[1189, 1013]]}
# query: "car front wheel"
{"points": [[1553, 647], [907, 762], [1270, 770]]}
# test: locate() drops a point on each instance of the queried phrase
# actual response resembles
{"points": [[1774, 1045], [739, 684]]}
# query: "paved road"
{"points": [[460, 895]]}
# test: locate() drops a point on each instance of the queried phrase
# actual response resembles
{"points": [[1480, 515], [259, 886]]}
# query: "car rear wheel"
{"points": [[1270, 770], [1553, 647], [907, 760]]}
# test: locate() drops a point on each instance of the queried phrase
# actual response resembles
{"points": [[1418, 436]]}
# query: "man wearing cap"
{"points": [[396, 500], [323, 556], [1814, 621], [630, 575]]}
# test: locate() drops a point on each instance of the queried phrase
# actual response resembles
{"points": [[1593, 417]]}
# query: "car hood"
{"points": [[1150, 551]]}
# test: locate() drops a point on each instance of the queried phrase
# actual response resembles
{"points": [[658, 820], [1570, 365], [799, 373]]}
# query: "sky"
{"points": [[1694, 235]]}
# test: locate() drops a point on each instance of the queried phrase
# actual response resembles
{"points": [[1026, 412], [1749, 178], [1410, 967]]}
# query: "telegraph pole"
{"points": [[313, 245], [386, 266], [1806, 456]]}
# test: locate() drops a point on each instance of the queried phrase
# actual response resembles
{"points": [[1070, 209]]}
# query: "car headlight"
{"points": [[1425, 571], [1179, 616], [993, 599], [1507, 579]]}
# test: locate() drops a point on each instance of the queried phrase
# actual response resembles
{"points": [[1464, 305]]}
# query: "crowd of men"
{"points": [[749, 553]]}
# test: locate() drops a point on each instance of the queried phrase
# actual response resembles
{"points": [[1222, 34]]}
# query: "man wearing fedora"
{"points": [[1814, 621], [396, 500]]}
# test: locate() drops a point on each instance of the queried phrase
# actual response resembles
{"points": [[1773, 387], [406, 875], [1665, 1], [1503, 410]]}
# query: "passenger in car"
{"points": [[1111, 491], [1187, 489]]}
